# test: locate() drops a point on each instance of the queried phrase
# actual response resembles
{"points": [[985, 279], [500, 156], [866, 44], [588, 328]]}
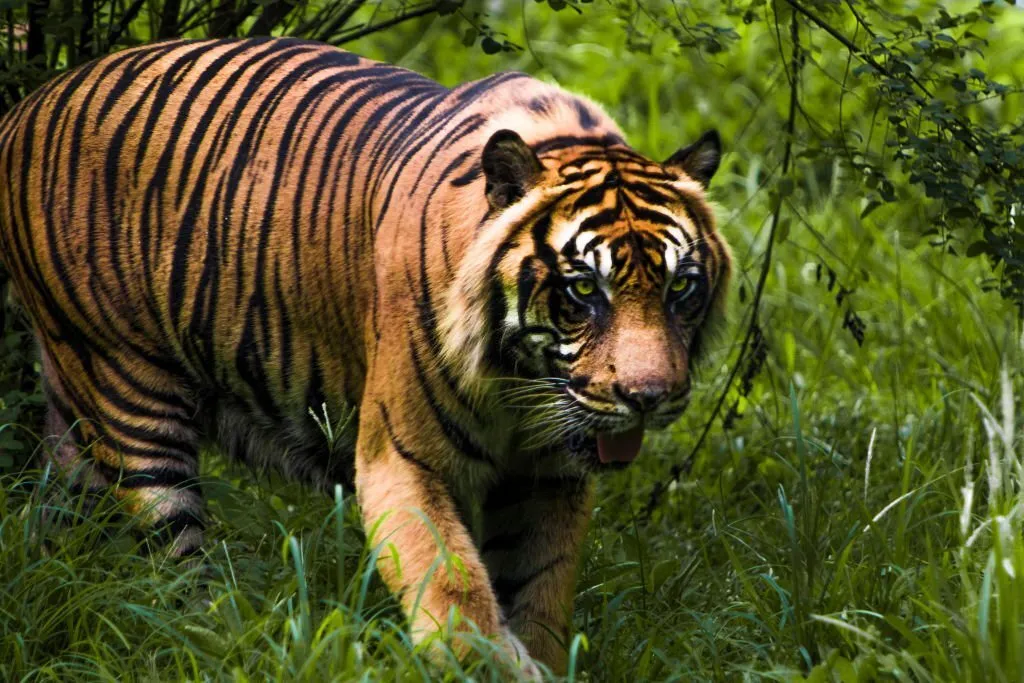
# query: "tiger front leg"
{"points": [[534, 526], [428, 558]]}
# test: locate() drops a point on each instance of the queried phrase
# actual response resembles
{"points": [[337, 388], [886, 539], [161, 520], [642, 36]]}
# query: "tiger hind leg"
{"points": [[74, 489], [117, 424]]}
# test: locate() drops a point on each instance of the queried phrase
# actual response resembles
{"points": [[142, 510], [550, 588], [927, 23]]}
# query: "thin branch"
{"points": [[190, 14], [683, 468], [860, 20], [271, 15], [168, 24], [367, 30], [849, 45], [339, 22], [964, 125], [126, 19]]}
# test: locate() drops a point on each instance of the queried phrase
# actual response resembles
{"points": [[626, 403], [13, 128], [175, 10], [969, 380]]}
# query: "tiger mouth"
{"points": [[607, 449]]}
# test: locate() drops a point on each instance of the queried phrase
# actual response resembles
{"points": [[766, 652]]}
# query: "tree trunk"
{"points": [[271, 16], [169, 19], [86, 47], [35, 40]]}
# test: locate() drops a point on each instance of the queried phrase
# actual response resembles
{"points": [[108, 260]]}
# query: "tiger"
{"points": [[224, 243]]}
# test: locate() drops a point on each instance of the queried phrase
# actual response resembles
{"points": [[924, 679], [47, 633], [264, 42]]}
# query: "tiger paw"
{"points": [[514, 647]]}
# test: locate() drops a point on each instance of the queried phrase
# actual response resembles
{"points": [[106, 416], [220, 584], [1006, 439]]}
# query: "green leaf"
{"points": [[977, 249], [782, 231], [490, 45], [871, 206], [663, 571], [785, 187], [206, 640]]}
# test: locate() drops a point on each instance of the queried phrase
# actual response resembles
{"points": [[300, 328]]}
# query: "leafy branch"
{"points": [[751, 354]]}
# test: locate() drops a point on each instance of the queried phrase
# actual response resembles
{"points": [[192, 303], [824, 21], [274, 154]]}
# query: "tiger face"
{"points": [[609, 273]]}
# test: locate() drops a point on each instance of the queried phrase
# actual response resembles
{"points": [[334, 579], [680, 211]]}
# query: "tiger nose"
{"points": [[642, 398]]}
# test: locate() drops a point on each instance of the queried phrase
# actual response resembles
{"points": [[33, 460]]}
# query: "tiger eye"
{"points": [[680, 284], [584, 287]]}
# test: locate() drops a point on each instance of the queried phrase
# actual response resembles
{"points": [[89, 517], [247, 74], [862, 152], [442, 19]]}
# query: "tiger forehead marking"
{"points": [[610, 229]]}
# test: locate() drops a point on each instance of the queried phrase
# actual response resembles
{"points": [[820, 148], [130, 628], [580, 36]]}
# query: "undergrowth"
{"points": [[896, 561]]}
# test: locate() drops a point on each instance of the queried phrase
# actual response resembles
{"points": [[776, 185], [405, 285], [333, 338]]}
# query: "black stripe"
{"points": [[525, 286], [61, 114], [565, 141], [401, 128], [111, 170], [586, 118], [598, 220], [143, 59], [448, 112], [468, 92], [647, 214], [577, 175], [250, 357], [459, 438], [425, 304], [148, 478], [469, 176], [516, 490], [591, 197], [467, 126], [156, 444], [650, 193], [506, 589], [285, 359], [119, 401], [661, 177], [396, 443], [540, 105], [151, 230], [315, 395], [497, 307], [504, 542]]}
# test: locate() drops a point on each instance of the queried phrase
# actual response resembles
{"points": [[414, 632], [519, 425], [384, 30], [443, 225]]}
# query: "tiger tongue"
{"points": [[621, 447]]}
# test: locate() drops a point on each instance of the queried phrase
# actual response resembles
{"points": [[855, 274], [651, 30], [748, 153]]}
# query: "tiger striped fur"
{"points": [[213, 237]]}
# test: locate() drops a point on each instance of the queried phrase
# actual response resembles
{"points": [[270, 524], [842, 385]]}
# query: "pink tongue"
{"points": [[621, 447]]}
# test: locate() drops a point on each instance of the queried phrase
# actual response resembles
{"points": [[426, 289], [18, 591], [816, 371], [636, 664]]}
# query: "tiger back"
{"points": [[231, 241]]}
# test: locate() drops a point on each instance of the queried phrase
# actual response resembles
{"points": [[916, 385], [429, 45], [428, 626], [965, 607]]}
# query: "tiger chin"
{"points": [[212, 237]]}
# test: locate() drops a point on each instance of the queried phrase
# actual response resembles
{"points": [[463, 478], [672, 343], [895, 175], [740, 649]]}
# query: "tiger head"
{"points": [[591, 285]]}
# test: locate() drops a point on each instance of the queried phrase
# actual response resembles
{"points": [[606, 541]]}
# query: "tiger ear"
{"points": [[510, 167], [699, 160]]}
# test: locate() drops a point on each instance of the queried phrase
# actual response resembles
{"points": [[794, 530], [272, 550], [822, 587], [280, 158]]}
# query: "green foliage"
{"points": [[81, 598], [21, 401]]}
